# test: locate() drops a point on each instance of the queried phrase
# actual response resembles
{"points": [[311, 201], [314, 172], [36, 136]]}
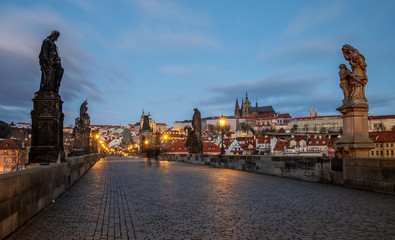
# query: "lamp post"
{"points": [[222, 123]]}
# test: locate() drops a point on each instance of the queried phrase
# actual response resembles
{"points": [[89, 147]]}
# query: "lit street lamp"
{"points": [[222, 123]]}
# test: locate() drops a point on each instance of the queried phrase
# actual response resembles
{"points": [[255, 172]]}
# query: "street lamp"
{"points": [[222, 123]]}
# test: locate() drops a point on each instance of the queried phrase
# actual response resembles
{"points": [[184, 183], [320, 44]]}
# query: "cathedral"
{"points": [[247, 111]]}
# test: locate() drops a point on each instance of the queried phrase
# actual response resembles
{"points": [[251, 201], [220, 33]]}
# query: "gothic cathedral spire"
{"points": [[237, 109]]}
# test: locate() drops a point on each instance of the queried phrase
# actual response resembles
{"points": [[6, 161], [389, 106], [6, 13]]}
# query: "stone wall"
{"points": [[373, 174], [316, 169], [25, 193]]}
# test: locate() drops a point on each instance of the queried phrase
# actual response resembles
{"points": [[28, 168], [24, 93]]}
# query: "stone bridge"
{"points": [[136, 198]]}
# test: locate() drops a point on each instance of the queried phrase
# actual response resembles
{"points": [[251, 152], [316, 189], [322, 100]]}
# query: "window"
{"points": [[392, 145], [386, 144], [377, 153], [372, 153], [392, 152], [381, 153], [388, 153], [381, 145]]}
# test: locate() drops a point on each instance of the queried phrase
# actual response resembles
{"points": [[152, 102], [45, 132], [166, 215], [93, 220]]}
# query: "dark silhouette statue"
{"points": [[51, 67], [194, 142]]}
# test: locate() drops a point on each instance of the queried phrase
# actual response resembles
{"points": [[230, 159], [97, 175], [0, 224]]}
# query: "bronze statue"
{"points": [[51, 68], [356, 79]]}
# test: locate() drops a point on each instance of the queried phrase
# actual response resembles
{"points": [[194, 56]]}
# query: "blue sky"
{"points": [[169, 57]]}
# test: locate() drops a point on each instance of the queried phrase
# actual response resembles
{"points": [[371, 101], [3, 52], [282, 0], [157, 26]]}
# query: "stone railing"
{"points": [[316, 169], [25, 193], [372, 174]]}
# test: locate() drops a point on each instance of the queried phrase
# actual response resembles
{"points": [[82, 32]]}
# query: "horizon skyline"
{"points": [[169, 57]]}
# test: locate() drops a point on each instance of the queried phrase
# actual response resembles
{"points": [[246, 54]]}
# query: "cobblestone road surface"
{"points": [[132, 198]]}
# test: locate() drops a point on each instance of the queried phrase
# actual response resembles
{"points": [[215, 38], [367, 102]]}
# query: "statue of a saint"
{"points": [[51, 68], [358, 77], [83, 109], [197, 122], [194, 142], [345, 85]]}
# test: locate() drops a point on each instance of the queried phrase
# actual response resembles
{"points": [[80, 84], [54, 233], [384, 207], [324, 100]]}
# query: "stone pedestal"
{"points": [[47, 129], [355, 141]]}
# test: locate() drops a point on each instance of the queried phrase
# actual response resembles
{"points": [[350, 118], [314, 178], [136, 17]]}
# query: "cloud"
{"points": [[151, 39], [167, 10], [22, 33], [280, 90], [309, 18]]}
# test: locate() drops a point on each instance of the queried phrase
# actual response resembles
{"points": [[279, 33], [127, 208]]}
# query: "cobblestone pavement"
{"points": [[132, 198]]}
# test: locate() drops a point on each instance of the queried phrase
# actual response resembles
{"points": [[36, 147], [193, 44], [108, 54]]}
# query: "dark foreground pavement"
{"points": [[132, 198]]}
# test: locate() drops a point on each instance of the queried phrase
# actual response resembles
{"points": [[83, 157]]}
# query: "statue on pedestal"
{"points": [[355, 141], [194, 142], [47, 115]]}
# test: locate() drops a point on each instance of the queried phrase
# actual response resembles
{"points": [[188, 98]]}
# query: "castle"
{"points": [[247, 111]]}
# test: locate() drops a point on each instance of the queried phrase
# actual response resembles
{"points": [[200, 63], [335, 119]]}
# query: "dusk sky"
{"points": [[169, 57]]}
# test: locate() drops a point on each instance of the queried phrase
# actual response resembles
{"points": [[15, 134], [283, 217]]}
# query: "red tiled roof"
{"points": [[284, 115], [317, 141], [382, 117], [281, 144], [177, 146], [381, 137], [210, 147], [9, 144], [305, 118]]}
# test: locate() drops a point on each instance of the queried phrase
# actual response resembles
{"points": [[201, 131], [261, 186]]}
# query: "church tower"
{"points": [[245, 107], [237, 109], [311, 113]]}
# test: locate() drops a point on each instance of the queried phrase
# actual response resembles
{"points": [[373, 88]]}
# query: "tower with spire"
{"points": [[245, 110], [237, 109], [245, 106]]}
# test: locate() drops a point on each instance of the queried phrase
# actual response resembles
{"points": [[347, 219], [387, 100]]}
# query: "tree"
{"points": [[211, 130]]}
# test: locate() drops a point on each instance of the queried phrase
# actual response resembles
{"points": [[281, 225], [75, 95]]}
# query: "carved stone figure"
{"points": [[194, 142], [357, 78], [81, 131], [345, 85], [51, 67], [355, 141]]}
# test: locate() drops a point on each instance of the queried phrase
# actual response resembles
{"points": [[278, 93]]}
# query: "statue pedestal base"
{"points": [[47, 129], [355, 141]]}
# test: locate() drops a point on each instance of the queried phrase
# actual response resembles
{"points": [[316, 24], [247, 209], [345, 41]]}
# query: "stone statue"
{"points": [[355, 141], [345, 85], [194, 142], [81, 131], [84, 109], [51, 68], [353, 83]]}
